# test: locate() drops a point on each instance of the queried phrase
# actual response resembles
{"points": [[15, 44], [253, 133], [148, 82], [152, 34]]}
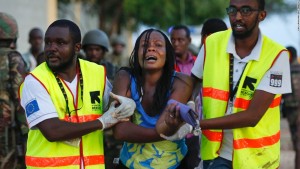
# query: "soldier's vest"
{"points": [[253, 147], [44, 154]]}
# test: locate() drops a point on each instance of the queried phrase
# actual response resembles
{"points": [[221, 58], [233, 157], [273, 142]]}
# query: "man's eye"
{"points": [[245, 10], [61, 42], [232, 10]]}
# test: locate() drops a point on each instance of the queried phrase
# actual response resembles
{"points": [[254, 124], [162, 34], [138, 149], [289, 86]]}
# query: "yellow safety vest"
{"points": [[253, 147], [44, 154]]}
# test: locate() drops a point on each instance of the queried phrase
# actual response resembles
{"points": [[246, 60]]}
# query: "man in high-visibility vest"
{"points": [[244, 74], [65, 101]]}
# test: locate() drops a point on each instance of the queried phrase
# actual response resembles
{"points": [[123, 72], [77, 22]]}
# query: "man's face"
{"points": [[180, 41], [59, 48], [118, 48], [94, 53], [36, 40], [243, 25]]}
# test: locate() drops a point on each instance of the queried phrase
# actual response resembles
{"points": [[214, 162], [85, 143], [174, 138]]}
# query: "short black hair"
{"points": [[34, 30], [185, 28], [261, 4], [73, 28], [213, 25]]}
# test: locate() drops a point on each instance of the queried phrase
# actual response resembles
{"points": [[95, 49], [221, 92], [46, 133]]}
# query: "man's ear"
{"points": [[262, 15], [190, 40], [77, 47]]}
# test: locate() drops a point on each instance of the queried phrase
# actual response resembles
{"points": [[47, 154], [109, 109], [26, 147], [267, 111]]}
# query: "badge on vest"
{"points": [[276, 80], [31, 107], [95, 100]]}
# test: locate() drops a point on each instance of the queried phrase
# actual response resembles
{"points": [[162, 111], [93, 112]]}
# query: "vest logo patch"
{"points": [[249, 82], [275, 80], [95, 100], [248, 87]]}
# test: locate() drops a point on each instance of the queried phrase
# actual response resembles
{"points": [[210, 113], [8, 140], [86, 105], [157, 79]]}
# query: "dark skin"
{"points": [[182, 88], [180, 42], [261, 100], [245, 45], [60, 45], [94, 53]]}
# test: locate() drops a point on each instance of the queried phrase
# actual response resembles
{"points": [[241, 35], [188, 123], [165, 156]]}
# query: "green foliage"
{"points": [[165, 13], [191, 12], [171, 12]]}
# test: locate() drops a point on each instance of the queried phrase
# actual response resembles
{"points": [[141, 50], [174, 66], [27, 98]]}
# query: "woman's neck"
{"points": [[152, 78]]}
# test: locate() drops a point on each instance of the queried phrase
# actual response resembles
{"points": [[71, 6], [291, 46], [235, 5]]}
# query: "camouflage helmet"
{"points": [[96, 37], [8, 27]]}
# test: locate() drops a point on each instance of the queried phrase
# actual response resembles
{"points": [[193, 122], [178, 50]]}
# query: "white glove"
{"points": [[108, 118], [126, 107], [191, 104], [180, 134]]}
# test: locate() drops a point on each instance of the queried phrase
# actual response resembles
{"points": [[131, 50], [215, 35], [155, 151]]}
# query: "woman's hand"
{"points": [[171, 120]]}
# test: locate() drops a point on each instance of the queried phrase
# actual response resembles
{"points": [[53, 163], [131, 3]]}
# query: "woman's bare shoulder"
{"points": [[183, 79]]}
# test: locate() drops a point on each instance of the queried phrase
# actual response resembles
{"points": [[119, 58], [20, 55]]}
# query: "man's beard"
{"points": [[245, 34], [62, 66]]}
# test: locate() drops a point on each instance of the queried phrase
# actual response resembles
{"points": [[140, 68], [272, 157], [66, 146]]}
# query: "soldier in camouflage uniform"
{"points": [[12, 116]]}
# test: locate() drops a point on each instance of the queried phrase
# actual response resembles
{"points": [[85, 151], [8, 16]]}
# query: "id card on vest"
{"points": [[229, 108], [73, 142]]}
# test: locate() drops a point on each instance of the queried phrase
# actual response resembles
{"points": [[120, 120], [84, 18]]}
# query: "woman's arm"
{"points": [[181, 92], [128, 131]]}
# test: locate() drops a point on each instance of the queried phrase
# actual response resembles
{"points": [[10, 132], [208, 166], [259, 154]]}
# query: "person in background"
{"points": [[290, 102], [36, 47], [243, 73], [13, 127], [210, 26], [95, 45], [181, 39], [118, 56], [66, 105], [151, 81]]}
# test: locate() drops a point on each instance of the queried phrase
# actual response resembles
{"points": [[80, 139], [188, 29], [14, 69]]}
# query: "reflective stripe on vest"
{"points": [[45, 154], [63, 161], [248, 141]]}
